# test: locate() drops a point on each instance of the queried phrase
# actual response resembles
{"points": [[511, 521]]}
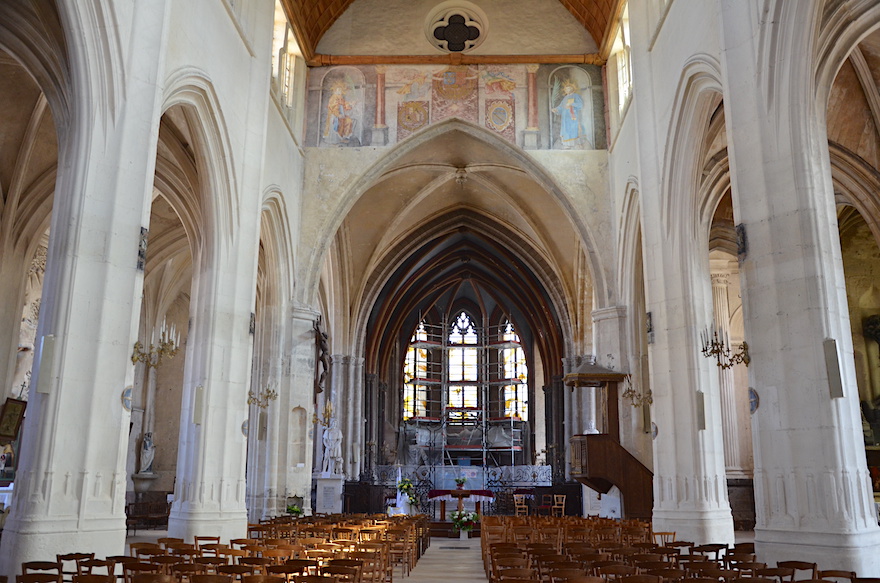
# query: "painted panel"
{"points": [[344, 110]]}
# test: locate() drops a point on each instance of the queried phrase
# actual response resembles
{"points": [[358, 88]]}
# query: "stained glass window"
{"points": [[514, 368], [415, 368], [463, 366]]}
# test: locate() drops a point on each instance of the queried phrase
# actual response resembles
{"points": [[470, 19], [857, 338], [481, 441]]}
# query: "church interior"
{"points": [[258, 254]]}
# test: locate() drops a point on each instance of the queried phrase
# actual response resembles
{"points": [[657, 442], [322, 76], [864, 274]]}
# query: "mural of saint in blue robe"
{"points": [[569, 111]]}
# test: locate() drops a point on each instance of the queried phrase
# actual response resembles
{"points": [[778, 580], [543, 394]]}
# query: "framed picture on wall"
{"points": [[11, 417]]}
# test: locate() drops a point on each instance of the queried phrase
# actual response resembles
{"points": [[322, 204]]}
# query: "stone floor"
{"points": [[449, 560]]}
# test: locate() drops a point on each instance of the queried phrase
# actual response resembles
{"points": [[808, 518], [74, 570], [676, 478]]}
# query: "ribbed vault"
{"points": [[465, 262]]}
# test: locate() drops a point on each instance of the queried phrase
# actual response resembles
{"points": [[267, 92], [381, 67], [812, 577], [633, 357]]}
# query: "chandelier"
{"points": [[165, 346], [716, 345], [636, 397], [262, 398], [326, 417]]}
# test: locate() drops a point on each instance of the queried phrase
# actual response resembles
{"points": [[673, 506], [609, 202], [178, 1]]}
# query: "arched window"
{"points": [[463, 366], [415, 368], [513, 368]]}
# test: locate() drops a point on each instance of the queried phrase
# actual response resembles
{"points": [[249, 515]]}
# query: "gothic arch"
{"points": [[34, 35], [840, 28], [697, 96], [857, 184], [214, 160], [443, 226]]}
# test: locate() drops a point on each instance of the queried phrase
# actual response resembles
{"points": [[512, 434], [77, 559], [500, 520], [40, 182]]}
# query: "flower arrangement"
{"points": [[460, 481], [405, 486], [294, 509], [464, 520]]}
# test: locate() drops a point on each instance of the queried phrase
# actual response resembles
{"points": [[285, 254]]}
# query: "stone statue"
{"points": [[148, 452], [332, 440]]}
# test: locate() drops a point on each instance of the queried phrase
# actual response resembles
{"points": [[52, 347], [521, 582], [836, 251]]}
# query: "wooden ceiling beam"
{"points": [[319, 60]]}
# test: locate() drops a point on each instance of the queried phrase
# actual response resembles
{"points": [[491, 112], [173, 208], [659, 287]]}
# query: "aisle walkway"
{"points": [[449, 560]]}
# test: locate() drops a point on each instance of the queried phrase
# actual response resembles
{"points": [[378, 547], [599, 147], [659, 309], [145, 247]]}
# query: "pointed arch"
{"points": [[840, 28], [214, 157], [697, 96]]}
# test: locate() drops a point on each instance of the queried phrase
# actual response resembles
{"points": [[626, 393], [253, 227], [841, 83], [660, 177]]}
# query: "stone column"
{"points": [[730, 425], [812, 490], [380, 130], [690, 484], [70, 485], [298, 382], [532, 133]]}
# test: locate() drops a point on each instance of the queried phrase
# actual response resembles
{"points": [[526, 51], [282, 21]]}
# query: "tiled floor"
{"points": [[449, 560]]}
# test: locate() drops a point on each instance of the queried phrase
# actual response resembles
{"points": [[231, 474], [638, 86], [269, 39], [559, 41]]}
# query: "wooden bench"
{"points": [[146, 515]]}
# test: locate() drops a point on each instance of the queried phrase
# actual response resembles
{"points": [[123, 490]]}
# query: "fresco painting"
{"points": [[567, 105]]}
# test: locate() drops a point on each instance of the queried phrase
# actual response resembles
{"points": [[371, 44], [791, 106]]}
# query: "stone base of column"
{"points": [[329, 498], [380, 136], [859, 552], [226, 525], [699, 526], [33, 541], [531, 139]]}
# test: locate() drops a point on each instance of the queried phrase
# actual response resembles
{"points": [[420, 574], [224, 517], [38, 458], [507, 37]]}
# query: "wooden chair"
{"points": [[586, 579], [669, 575], [722, 574], [640, 579], [615, 572], [232, 556], [663, 538], [134, 547], [165, 562], [305, 566], [749, 569], [800, 566], [67, 570], [94, 578], [129, 570], [235, 571], [782, 574], [38, 578], [184, 571], [288, 572], [88, 567], [166, 540], [262, 579], [211, 579], [153, 578], [42, 567], [520, 507], [558, 508], [210, 564], [545, 506], [356, 564], [342, 574], [212, 549], [258, 563], [506, 574], [559, 575], [711, 551], [206, 540], [836, 575]]}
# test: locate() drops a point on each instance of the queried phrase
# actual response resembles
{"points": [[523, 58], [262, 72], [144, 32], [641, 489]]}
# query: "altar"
{"points": [[444, 496]]}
